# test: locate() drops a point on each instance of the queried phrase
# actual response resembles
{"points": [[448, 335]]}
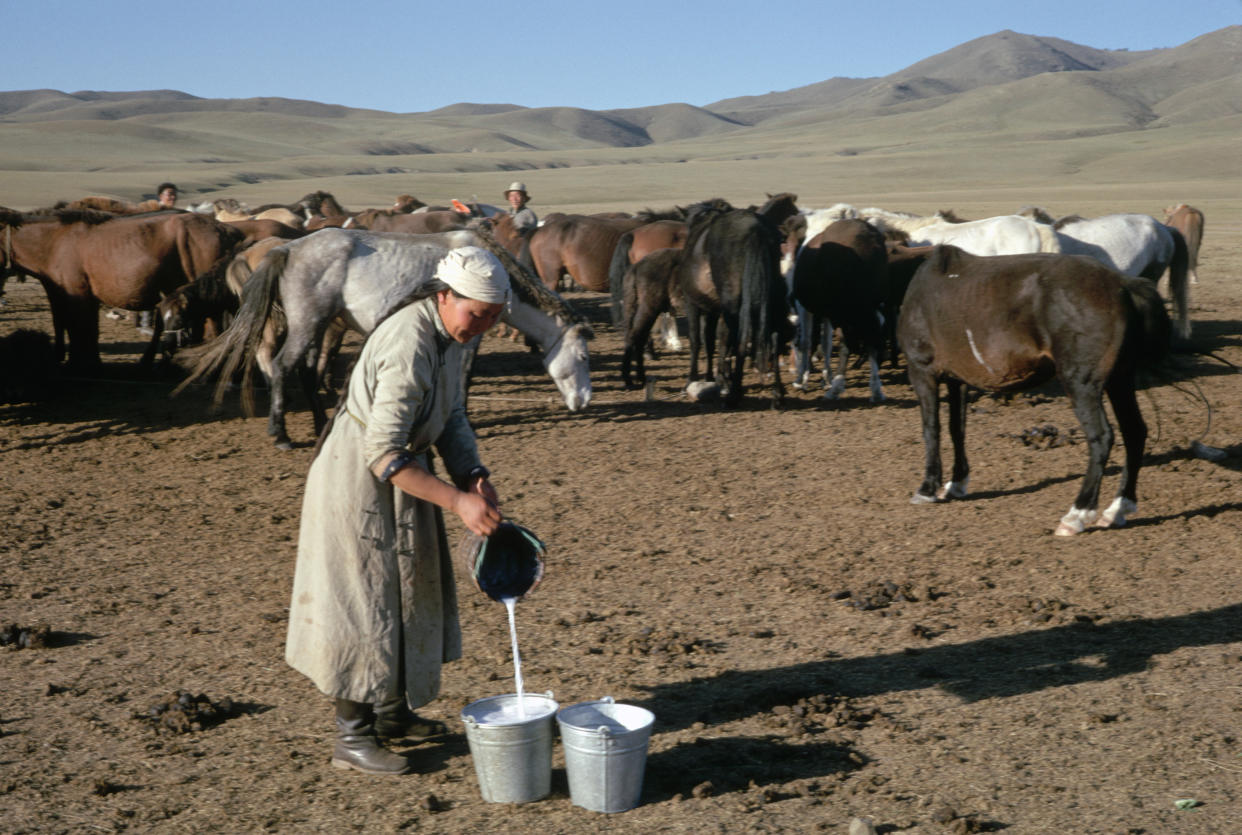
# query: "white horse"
{"points": [[1000, 235], [362, 276], [1137, 245]]}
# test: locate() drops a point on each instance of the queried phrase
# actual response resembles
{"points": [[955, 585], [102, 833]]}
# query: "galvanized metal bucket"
{"points": [[605, 753], [512, 755]]}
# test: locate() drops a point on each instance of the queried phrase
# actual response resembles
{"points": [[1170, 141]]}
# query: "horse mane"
{"points": [[1062, 222], [11, 217], [949, 216], [701, 212], [526, 285], [1036, 214], [651, 215], [774, 200]]}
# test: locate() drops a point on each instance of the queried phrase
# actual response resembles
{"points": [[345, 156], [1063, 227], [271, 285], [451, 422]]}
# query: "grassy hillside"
{"points": [[1005, 114]]}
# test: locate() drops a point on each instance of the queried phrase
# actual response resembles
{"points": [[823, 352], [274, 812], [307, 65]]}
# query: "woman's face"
{"points": [[464, 318]]}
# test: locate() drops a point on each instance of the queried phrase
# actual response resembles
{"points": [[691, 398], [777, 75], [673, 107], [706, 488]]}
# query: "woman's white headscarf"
{"points": [[475, 273]]}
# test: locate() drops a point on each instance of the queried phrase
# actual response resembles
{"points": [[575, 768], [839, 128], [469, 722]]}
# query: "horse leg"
{"points": [[927, 392], [1089, 407], [731, 365], [837, 386], [695, 336], [636, 336], [957, 487], [1134, 437], [668, 332], [804, 335], [153, 344], [877, 388]]}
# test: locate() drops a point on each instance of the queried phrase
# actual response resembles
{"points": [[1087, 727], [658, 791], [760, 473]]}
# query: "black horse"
{"points": [[730, 271], [1010, 322], [841, 278]]}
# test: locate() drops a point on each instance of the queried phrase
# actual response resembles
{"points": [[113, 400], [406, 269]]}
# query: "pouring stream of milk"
{"points": [[517, 658]]}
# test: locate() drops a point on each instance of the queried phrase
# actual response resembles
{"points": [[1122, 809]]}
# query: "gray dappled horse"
{"points": [[362, 276]]}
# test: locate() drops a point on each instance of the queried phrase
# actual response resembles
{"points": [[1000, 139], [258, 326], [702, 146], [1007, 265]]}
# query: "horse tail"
{"points": [[616, 273], [1179, 269], [762, 287], [238, 341], [1149, 330]]}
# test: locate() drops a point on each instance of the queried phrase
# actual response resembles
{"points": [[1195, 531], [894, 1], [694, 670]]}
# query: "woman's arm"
{"points": [[475, 507]]}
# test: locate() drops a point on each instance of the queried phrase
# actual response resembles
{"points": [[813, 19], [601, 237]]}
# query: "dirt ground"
{"points": [[813, 646]]}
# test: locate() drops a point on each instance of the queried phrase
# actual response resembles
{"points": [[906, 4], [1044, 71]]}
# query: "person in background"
{"points": [[523, 218], [166, 196], [374, 606]]}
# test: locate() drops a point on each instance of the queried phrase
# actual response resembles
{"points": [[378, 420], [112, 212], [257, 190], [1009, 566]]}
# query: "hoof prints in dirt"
{"points": [[25, 637], [183, 712]]}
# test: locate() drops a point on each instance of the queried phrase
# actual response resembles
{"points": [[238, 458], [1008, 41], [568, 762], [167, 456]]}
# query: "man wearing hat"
{"points": [[523, 218]]}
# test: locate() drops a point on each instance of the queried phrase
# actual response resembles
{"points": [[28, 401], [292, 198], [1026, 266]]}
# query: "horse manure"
{"points": [[25, 637], [1047, 436], [183, 712], [880, 595]]}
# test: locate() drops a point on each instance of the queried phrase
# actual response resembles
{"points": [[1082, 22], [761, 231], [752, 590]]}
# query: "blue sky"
{"points": [[415, 55]]}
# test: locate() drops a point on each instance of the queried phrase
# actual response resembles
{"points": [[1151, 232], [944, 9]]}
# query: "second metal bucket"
{"points": [[605, 753], [512, 754]]}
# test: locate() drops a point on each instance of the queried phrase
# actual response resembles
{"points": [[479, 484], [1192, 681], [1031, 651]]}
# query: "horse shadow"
{"points": [[118, 398], [989, 668]]}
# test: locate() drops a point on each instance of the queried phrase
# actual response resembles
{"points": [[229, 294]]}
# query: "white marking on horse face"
{"points": [[970, 337], [569, 366]]}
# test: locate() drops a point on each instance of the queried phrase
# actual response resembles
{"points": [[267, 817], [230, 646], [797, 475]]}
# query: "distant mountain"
{"points": [[1005, 85]]}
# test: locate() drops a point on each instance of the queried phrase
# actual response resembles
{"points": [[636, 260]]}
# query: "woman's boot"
{"points": [[357, 745], [394, 720]]}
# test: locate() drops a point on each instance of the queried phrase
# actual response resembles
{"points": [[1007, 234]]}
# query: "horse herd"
{"points": [[1002, 303]]}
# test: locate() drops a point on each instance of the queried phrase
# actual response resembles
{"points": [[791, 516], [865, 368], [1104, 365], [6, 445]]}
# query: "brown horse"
{"points": [[257, 230], [577, 246], [417, 223], [648, 289], [1189, 221], [841, 278], [1011, 322], [128, 261], [730, 271], [634, 246]]}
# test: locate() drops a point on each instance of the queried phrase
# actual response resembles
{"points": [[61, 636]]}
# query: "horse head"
{"points": [[568, 364]]}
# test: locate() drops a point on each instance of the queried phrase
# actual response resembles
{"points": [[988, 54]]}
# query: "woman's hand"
{"points": [[479, 515], [485, 489]]}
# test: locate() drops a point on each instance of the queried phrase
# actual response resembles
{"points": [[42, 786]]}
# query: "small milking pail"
{"points": [[512, 755], [605, 753]]}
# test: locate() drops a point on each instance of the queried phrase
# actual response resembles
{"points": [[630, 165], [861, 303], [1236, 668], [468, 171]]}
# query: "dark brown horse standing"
{"points": [[648, 289], [1010, 322], [841, 277], [730, 271], [84, 259]]}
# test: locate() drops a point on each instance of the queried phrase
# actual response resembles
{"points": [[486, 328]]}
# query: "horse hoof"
{"points": [[1075, 522], [284, 444], [923, 498]]}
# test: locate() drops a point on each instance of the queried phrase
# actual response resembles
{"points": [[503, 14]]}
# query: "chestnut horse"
{"points": [[414, 223], [1011, 322], [577, 246], [1189, 221], [87, 258]]}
